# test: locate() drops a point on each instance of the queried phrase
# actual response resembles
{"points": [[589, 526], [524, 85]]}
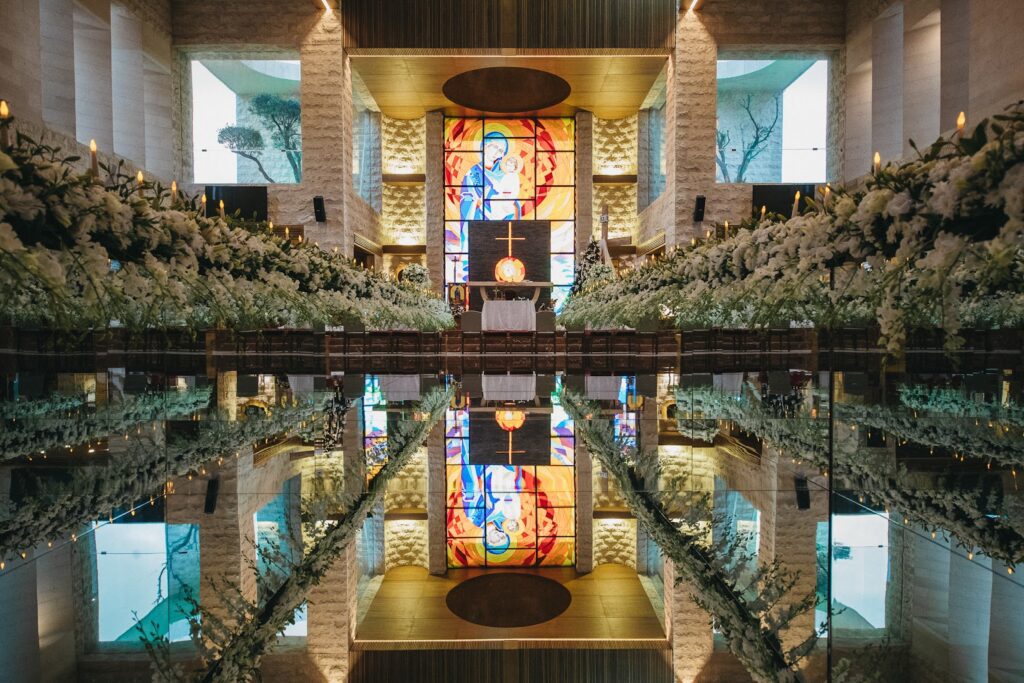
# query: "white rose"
{"points": [[899, 205]]}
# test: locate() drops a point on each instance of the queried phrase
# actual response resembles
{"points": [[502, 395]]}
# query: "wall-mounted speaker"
{"points": [[698, 209], [212, 489], [803, 494], [318, 209]]}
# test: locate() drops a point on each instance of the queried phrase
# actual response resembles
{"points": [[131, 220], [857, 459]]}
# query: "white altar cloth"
{"points": [[509, 316]]}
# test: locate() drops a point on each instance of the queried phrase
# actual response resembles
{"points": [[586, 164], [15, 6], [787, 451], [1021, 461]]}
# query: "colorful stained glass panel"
{"points": [[465, 134], [563, 237], [455, 237], [509, 128], [556, 168], [556, 203], [556, 134]]}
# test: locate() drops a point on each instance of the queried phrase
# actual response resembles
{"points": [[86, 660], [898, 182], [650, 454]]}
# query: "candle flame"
{"points": [[139, 177], [174, 186], [5, 111], [221, 204], [878, 160], [92, 146], [797, 197], [961, 121], [203, 199]]}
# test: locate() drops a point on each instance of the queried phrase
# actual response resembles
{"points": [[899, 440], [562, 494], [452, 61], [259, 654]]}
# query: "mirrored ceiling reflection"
{"points": [[777, 508]]}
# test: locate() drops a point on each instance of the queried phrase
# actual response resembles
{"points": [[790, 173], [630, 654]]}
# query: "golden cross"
{"points": [[510, 239], [511, 452]]}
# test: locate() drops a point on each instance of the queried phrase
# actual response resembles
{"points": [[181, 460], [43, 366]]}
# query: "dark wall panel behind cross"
{"points": [[488, 245], [568, 24]]}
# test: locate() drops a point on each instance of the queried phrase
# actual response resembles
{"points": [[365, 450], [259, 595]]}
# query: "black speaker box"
{"points": [[698, 209], [318, 209]]}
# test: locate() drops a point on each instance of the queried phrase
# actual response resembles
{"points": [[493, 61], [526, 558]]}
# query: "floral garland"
{"points": [[26, 437], [934, 242], [944, 401], [75, 255], [58, 507], [750, 626], [22, 410], [945, 505]]}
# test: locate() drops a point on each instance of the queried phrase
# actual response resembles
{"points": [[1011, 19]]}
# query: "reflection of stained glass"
{"points": [[457, 166], [557, 485], [455, 237], [463, 133], [465, 553], [456, 268], [562, 268], [456, 451], [556, 133], [511, 558], [563, 237], [558, 552], [561, 423], [556, 203], [556, 168], [458, 423], [562, 450], [556, 520], [463, 479], [510, 128]]}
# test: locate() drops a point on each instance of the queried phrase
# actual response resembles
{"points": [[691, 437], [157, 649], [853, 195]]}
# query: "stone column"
{"points": [[584, 509], [433, 204], [688, 628], [1006, 626], [887, 85], [93, 86], [584, 179], [970, 602], [128, 85], [331, 618], [57, 52], [955, 61], [437, 555], [921, 74]]}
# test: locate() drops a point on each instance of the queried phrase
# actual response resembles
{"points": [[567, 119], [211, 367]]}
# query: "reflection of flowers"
{"points": [[750, 625], [232, 650], [27, 437], [53, 507], [949, 502]]}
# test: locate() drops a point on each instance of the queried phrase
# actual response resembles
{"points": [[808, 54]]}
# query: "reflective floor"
{"points": [[723, 511]]}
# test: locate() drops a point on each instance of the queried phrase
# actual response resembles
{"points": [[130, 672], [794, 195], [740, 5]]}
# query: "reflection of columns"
{"points": [[1006, 626], [330, 624], [930, 601], [19, 656], [584, 179], [970, 596], [434, 199], [227, 395], [56, 609], [437, 559], [689, 631], [584, 509]]}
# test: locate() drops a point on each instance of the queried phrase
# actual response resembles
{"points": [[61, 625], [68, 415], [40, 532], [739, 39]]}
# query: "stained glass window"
{"points": [[510, 169], [511, 514]]}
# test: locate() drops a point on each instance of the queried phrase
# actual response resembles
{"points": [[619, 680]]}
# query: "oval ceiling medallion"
{"points": [[506, 89]]}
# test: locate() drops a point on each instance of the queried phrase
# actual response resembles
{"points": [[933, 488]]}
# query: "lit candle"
{"points": [[727, 228], [174, 192], [94, 167], [202, 202], [828, 194], [961, 122], [796, 204], [876, 165], [220, 208], [5, 113], [287, 233], [141, 181], [764, 209]]}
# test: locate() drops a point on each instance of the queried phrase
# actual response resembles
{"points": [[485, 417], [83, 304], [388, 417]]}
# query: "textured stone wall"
{"points": [[615, 145], [409, 488], [403, 144], [402, 218], [405, 543], [620, 200], [615, 542]]}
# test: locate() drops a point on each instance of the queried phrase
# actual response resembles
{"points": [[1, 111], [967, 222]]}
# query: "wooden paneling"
{"points": [[523, 24]]}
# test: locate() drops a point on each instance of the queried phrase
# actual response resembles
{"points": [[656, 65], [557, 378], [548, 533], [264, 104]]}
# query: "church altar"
{"points": [[509, 316]]}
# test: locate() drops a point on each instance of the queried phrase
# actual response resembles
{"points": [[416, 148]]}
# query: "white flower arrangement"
{"points": [[77, 255], [933, 242]]}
